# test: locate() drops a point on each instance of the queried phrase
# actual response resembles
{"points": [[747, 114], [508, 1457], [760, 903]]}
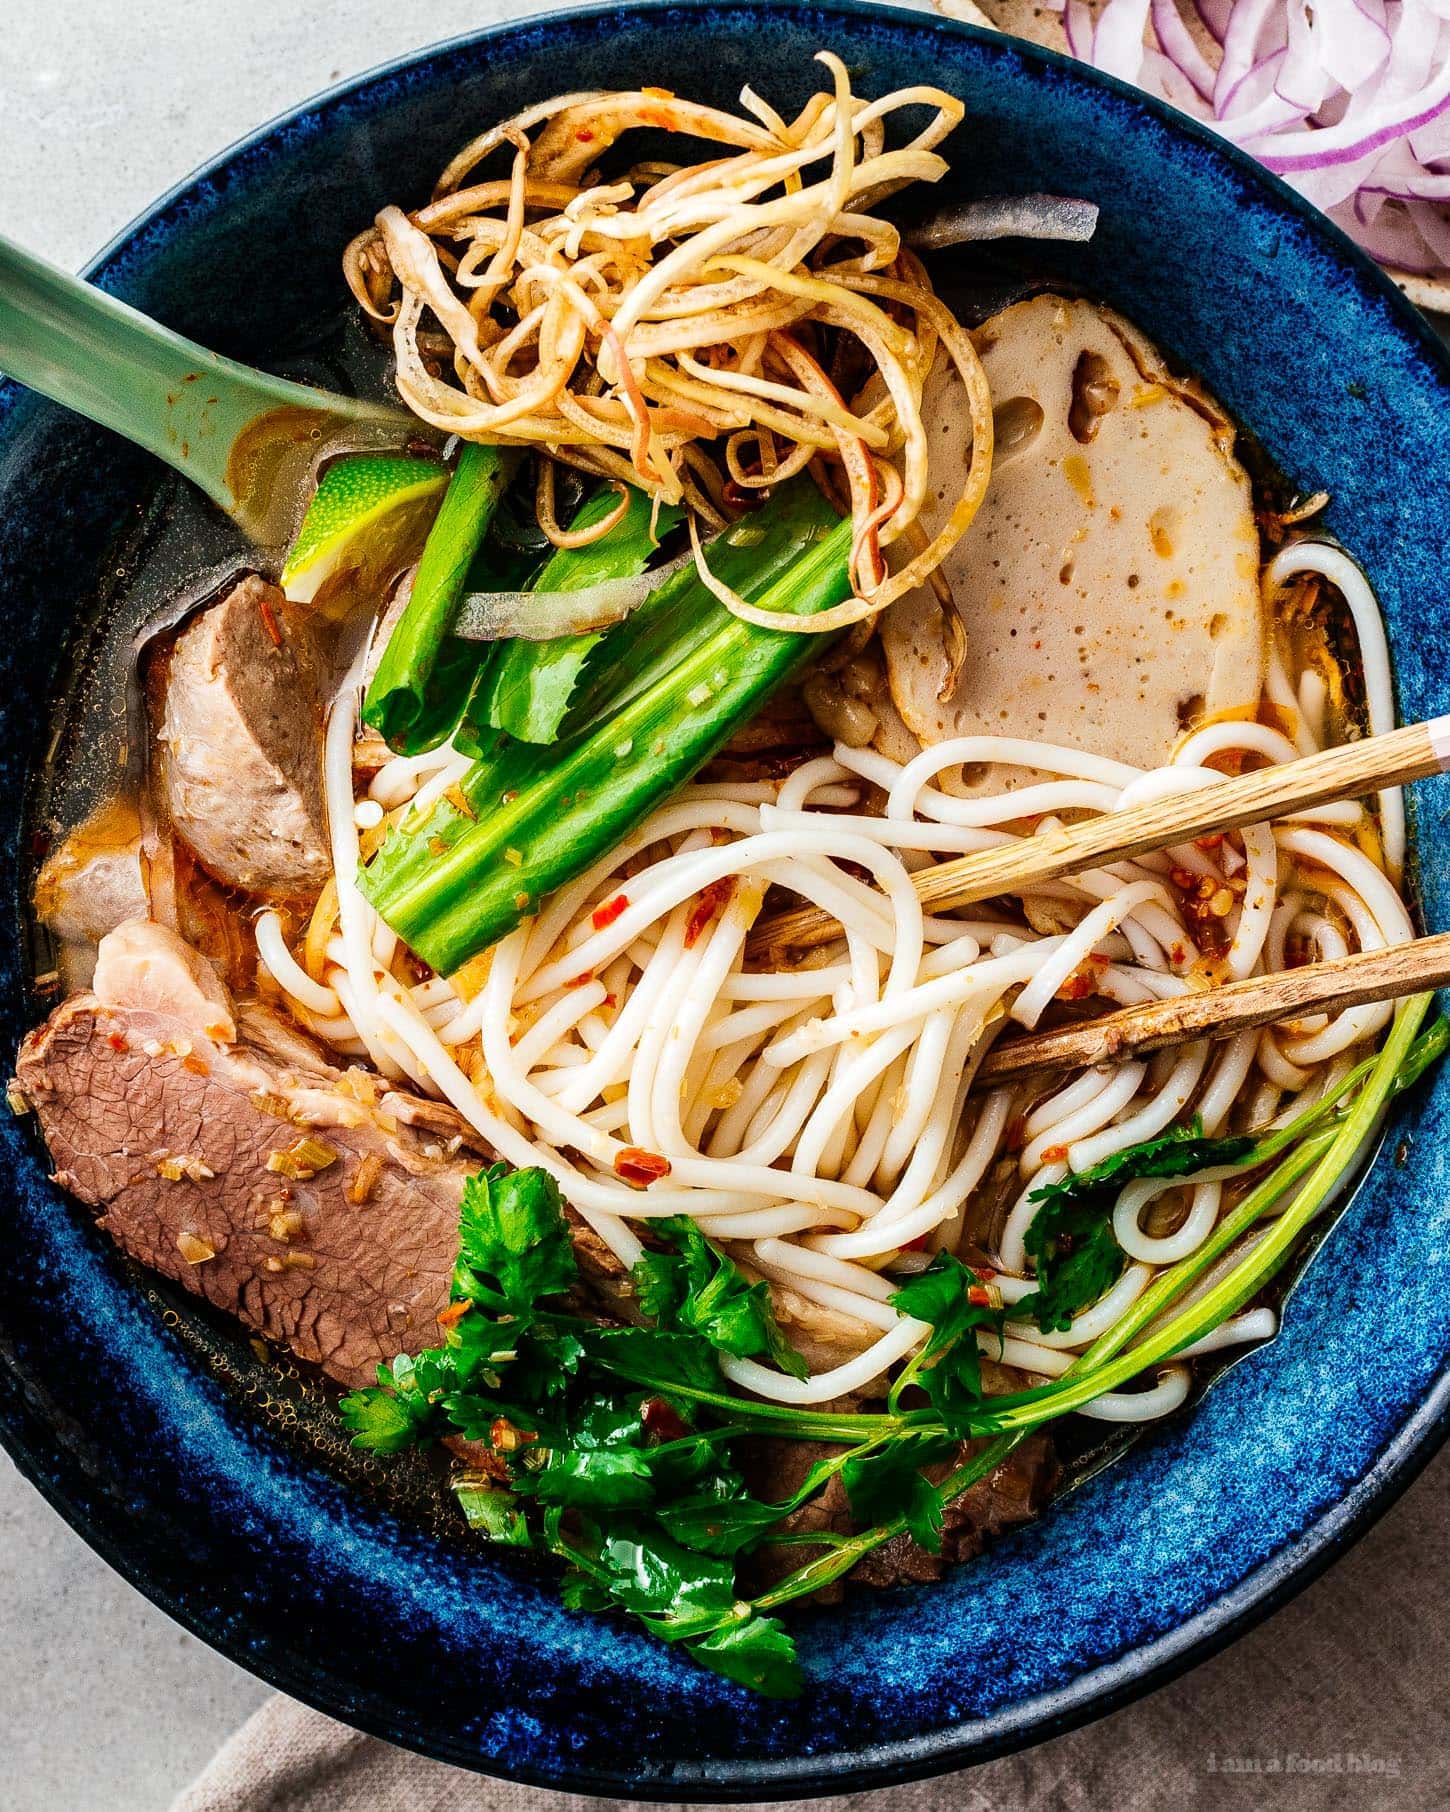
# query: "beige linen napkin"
{"points": [[1338, 1701]]}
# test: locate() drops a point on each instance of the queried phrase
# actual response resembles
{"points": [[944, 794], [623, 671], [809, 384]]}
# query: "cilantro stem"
{"points": [[767, 1417], [1431, 1045], [840, 1560], [1171, 1284], [799, 1538], [1324, 1167]]}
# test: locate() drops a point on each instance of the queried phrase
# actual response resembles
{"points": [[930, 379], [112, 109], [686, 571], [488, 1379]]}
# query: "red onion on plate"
{"points": [[1348, 100]]}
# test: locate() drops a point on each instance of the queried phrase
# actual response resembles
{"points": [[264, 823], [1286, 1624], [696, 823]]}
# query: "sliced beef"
{"points": [[1013, 1493], [176, 1133], [96, 878], [241, 744], [180, 1114]]}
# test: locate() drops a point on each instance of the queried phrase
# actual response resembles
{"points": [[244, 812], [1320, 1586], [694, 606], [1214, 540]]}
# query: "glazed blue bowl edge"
{"points": [[1206, 1525]]}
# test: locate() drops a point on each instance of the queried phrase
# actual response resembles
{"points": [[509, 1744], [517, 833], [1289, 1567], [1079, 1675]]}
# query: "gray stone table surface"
{"points": [[103, 105]]}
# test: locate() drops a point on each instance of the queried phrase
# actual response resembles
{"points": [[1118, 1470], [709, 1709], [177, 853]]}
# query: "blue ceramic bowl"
{"points": [[1209, 1522]]}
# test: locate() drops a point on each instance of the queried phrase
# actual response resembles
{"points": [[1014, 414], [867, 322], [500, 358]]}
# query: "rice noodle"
{"points": [[821, 1118]]}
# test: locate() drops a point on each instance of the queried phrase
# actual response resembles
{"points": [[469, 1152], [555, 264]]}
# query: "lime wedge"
{"points": [[367, 518]]}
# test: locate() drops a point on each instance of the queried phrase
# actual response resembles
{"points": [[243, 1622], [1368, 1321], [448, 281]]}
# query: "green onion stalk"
{"points": [[649, 704], [424, 675]]}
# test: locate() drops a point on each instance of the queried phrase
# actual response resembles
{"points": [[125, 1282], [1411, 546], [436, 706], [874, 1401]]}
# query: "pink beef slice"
{"points": [[162, 1111], [240, 743]]}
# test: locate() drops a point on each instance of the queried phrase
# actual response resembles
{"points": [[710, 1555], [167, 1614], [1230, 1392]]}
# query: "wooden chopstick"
{"points": [[1347, 981], [1399, 756]]}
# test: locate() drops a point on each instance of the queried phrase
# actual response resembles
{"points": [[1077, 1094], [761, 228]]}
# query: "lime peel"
{"points": [[367, 511]]}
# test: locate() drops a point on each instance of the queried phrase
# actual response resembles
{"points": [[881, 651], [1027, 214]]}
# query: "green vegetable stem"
{"points": [[652, 701], [526, 687], [424, 674]]}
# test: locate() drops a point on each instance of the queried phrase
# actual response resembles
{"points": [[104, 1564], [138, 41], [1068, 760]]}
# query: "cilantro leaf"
{"points": [[890, 1483], [1071, 1238], [657, 1578], [493, 1513], [654, 1356], [546, 1363], [697, 1287], [609, 1422], [382, 1422], [719, 1519], [679, 1464], [581, 1591], [1176, 1153], [1078, 1260], [598, 1478], [514, 1245], [475, 1415], [397, 1411], [633, 1484], [948, 1367], [759, 1653]]}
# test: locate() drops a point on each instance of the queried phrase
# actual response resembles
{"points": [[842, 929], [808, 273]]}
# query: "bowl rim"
{"points": [[1102, 1689]]}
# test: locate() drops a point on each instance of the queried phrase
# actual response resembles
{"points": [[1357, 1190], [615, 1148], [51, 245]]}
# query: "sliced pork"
{"points": [[241, 744], [96, 877]]}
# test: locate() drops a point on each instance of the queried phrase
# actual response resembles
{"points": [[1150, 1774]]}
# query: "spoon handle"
{"points": [[194, 409]]}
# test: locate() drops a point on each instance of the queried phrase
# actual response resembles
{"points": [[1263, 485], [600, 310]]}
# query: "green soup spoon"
{"points": [[242, 436]]}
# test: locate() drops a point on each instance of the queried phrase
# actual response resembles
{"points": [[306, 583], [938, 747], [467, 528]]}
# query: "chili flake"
{"points": [[712, 898], [640, 1168]]}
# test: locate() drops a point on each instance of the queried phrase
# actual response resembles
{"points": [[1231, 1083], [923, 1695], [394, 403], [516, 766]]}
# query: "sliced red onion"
{"points": [[1180, 47], [1316, 157], [1118, 40], [1169, 81], [546, 616], [1346, 99], [1007, 217], [1389, 235], [1246, 26], [1254, 103], [1215, 17], [1434, 228], [1077, 22], [1425, 187], [1332, 44]]}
